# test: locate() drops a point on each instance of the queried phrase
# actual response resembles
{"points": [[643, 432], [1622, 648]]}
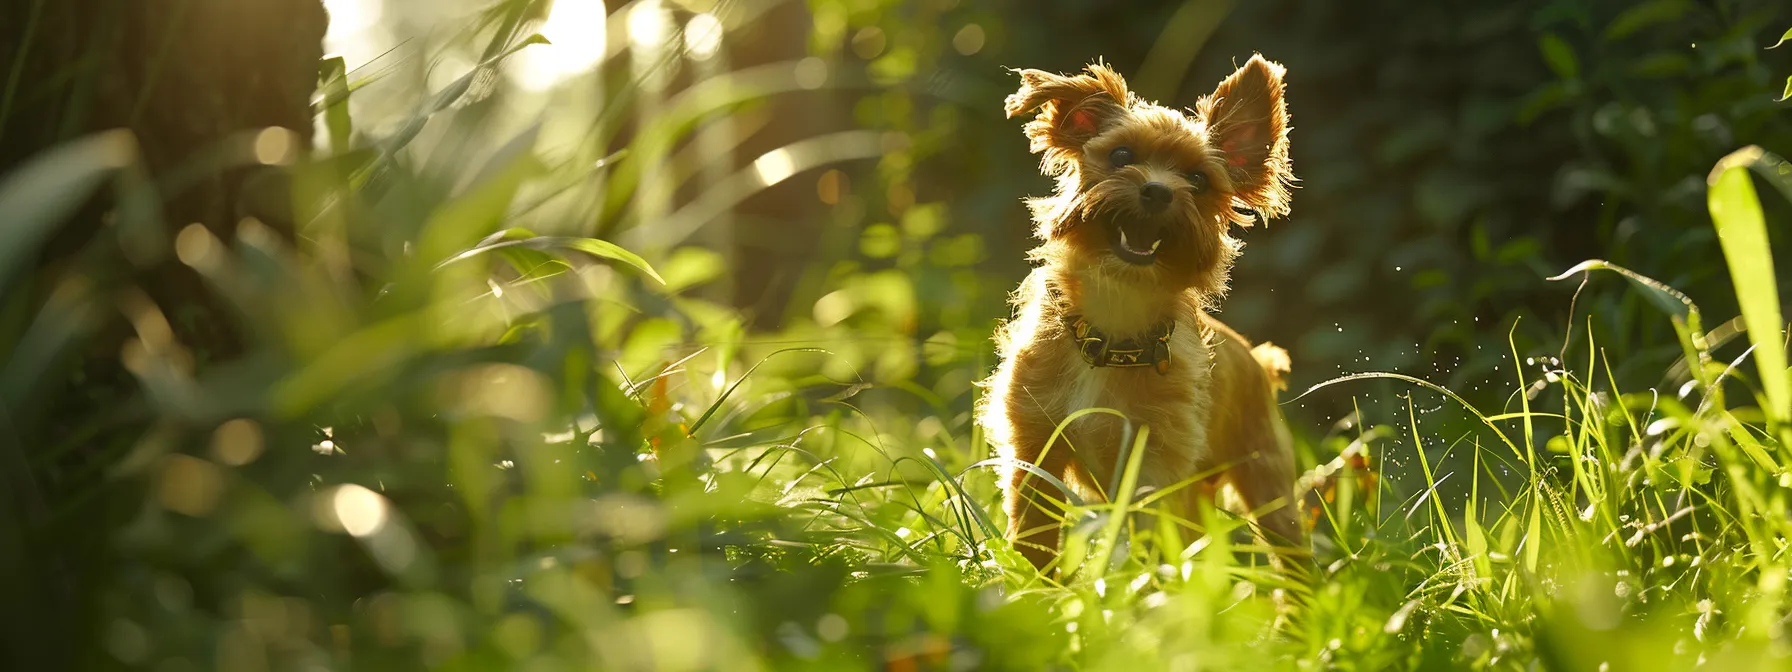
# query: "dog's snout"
{"points": [[1154, 195]]}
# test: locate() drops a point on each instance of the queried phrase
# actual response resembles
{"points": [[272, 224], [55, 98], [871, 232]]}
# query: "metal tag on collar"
{"points": [[1127, 358]]}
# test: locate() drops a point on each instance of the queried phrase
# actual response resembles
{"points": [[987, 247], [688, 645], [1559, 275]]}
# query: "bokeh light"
{"points": [[578, 32], [358, 30], [774, 166], [359, 511], [703, 36]]}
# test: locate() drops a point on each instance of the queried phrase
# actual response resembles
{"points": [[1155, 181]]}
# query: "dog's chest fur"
{"points": [[1173, 405], [1045, 380]]}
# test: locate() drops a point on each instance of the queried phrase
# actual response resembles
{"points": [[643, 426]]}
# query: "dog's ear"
{"points": [[1072, 109], [1247, 121]]}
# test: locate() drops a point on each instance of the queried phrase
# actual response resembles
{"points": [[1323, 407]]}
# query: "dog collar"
{"points": [[1151, 349]]}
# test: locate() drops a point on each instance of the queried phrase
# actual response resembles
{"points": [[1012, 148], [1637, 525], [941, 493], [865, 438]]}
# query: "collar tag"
{"points": [[1151, 350]]}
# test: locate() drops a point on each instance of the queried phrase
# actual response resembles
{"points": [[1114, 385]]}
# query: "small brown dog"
{"points": [[1137, 251]]}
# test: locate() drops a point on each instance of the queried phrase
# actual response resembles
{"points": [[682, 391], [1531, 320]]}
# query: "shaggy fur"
{"points": [[1134, 176]]}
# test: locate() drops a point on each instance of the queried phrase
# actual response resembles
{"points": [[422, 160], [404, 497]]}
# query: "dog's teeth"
{"points": [[1123, 239], [1154, 245]]}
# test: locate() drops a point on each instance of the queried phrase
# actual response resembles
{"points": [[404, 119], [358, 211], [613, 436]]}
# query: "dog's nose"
{"points": [[1154, 196]]}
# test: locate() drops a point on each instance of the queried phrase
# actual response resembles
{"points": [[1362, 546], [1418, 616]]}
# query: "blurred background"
{"points": [[433, 274], [1451, 158]]}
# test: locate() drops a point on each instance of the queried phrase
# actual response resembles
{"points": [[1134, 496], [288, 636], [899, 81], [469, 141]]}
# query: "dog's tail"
{"points": [[1274, 361]]}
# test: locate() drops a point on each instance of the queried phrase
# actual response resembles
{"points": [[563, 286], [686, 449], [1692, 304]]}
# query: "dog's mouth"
{"points": [[1138, 248]]}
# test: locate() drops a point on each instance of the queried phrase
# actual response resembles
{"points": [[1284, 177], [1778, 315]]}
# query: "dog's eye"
{"points": [[1121, 157], [1198, 182]]}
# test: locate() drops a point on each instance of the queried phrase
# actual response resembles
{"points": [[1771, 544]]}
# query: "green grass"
{"points": [[498, 450], [495, 490]]}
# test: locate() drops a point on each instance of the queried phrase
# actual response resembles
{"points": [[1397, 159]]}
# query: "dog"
{"points": [[1137, 250]]}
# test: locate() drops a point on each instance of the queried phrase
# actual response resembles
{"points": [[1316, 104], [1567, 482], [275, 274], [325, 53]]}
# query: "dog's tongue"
{"points": [[1137, 248]]}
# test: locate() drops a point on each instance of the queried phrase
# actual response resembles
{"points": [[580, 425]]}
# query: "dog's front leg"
{"points": [[1264, 481], [1035, 508]]}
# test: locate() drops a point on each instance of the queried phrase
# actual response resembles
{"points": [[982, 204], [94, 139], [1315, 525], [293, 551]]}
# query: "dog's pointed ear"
{"points": [[1072, 109], [1247, 121]]}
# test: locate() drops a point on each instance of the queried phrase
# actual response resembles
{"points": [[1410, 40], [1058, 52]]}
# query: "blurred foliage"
{"points": [[668, 366], [1447, 166]]}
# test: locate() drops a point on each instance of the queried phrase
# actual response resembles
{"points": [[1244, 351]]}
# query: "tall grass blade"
{"points": [[964, 498], [1688, 323], [1668, 299], [522, 238], [1110, 533], [1473, 535], [717, 404], [1063, 488], [51, 186], [1742, 231], [333, 79]]}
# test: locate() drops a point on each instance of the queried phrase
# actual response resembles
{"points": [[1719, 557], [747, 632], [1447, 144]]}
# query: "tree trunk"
{"points": [[182, 75]]}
